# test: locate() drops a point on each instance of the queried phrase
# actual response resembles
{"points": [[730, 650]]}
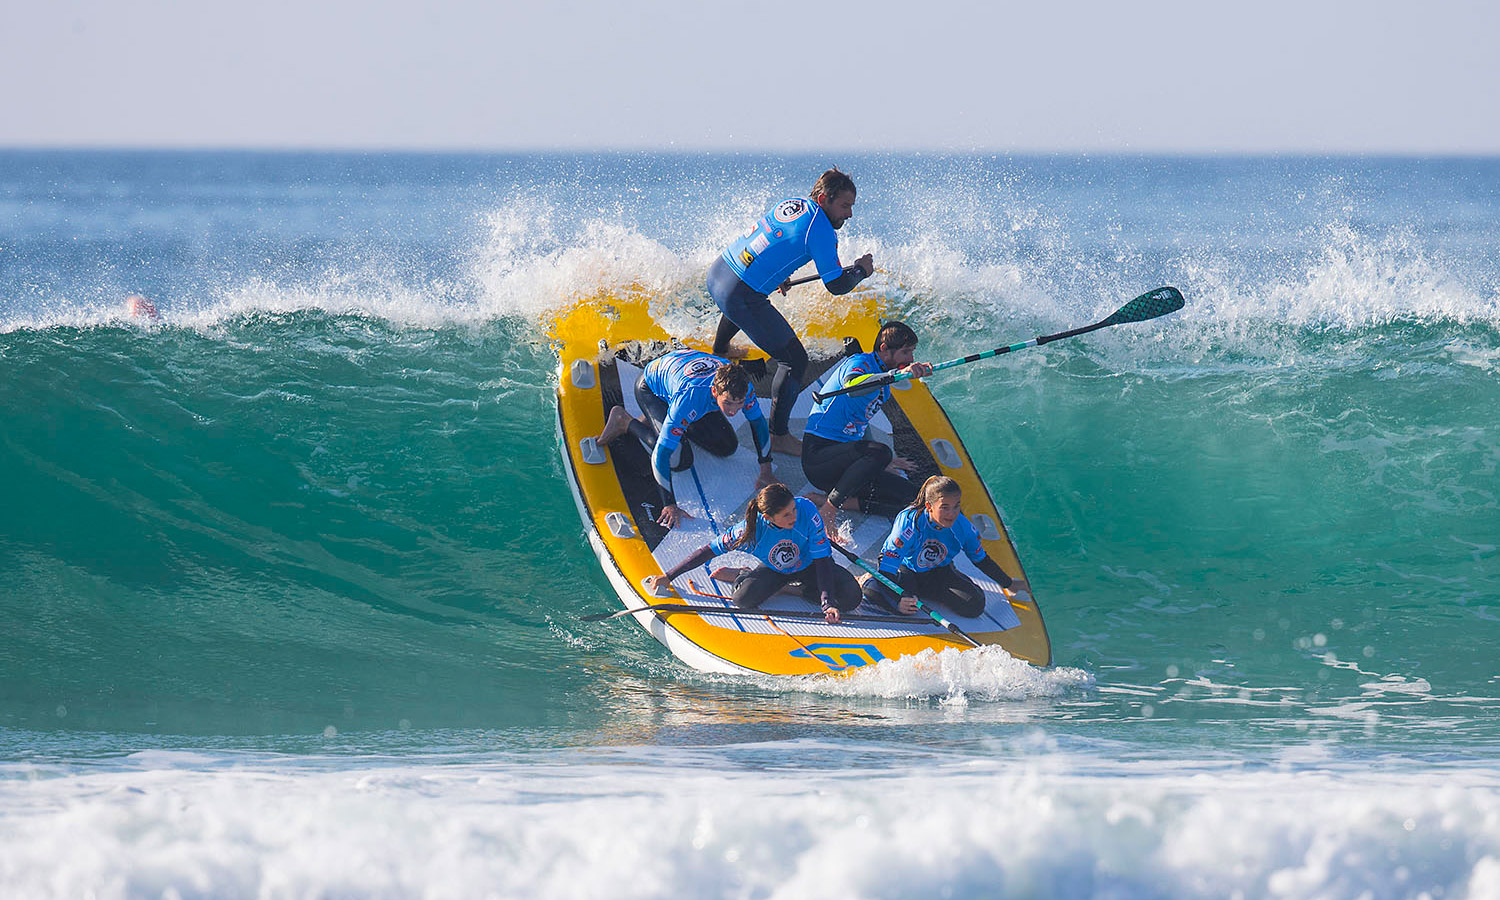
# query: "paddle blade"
{"points": [[1159, 302], [864, 384]]}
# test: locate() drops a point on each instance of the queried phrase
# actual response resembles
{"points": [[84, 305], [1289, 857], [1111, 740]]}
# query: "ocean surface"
{"points": [[291, 579]]}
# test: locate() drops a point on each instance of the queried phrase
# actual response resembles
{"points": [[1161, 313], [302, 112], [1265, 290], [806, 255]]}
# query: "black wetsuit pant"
{"points": [[945, 586], [856, 469], [746, 310], [753, 587], [712, 432]]}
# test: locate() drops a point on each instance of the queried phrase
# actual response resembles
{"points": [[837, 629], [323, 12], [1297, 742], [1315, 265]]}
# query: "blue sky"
{"points": [[1195, 77]]}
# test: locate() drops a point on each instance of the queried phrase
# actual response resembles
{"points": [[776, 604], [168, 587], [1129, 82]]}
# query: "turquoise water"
{"points": [[293, 575]]}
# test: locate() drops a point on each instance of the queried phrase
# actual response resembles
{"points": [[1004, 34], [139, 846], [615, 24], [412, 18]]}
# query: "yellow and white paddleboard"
{"points": [[603, 344]]}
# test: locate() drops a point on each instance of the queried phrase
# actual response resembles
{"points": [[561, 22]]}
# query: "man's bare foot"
{"points": [[617, 424], [737, 351], [830, 521], [726, 574], [786, 444], [827, 513]]}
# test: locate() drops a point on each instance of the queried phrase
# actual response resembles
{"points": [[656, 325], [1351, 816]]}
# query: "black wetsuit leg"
{"points": [[845, 593], [655, 409], [786, 384], [753, 587], [856, 469], [944, 586], [747, 310], [881, 596], [714, 434], [723, 335]]}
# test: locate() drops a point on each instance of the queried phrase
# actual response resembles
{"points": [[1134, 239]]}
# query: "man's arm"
{"points": [[863, 268]]}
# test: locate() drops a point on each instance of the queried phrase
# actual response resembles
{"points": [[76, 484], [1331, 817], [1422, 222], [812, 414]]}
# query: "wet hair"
{"points": [[768, 501], [832, 183], [894, 336], [935, 487], [732, 381]]}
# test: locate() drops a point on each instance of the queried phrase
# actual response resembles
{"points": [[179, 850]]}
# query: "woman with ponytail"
{"points": [[786, 534], [923, 545]]}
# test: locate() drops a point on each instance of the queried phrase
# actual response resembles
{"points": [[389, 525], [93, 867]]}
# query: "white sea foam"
{"points": [[955, 274], [530, 266], [952, 676], [1353, 280], [585, 824]]}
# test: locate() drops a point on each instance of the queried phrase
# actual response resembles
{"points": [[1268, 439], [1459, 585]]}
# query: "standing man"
{"points": [[796, 230]]}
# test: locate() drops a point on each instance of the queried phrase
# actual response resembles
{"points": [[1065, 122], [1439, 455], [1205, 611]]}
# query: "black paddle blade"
{"points": [[1155, 303]]}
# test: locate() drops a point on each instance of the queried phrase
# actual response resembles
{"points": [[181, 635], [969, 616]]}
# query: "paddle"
{"points": [[897, 588], [796, 281], [735, 611], [1150, 305]]}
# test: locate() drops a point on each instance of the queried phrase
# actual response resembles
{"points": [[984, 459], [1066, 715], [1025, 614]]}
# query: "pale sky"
{"points": [[1298, 76]]}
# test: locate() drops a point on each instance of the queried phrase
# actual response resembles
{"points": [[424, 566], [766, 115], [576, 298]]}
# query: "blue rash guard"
{"points": [[786, 550], [846, 417], [684, 380], [788, 555], [921, 545], [793, 232]]}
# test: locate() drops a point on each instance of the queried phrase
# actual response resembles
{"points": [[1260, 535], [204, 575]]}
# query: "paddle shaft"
{"points": [[897, 588], [804, 280], [701, 609], [1147, 306], [1009, 348], [893, 377]]}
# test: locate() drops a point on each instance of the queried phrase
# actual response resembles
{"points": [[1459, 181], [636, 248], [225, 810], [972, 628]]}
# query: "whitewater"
{"points": [[292, 579]]}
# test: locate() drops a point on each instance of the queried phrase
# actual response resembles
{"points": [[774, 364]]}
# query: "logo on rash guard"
{"points": [[932, 554], [784, 556], [872, 409], [789, 210], [700, 366]]}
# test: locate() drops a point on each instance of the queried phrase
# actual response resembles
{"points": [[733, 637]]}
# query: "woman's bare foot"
{"points": [[726, 574]]}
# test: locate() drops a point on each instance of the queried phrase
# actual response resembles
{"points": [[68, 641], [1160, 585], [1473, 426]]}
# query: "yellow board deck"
{"points": [[602, 342]]}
